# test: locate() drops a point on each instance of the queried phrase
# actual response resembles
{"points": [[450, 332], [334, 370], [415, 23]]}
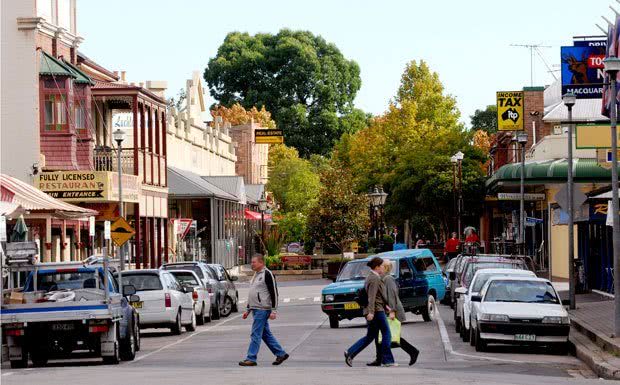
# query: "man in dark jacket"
{"points": [[263, 304]]}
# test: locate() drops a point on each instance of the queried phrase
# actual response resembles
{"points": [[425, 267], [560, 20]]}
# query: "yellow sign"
{"points": [[510, 110], [88, 186], [268, 136], [588, 136], [121, 231]]}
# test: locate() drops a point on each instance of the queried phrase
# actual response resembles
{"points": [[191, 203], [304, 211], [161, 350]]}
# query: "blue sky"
{"points": [[466, 42]]}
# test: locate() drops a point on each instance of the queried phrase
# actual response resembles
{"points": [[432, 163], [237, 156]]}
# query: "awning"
{"points": [[186, 184], [80, 77], [31, 199], [49, 65], [253, 215]]}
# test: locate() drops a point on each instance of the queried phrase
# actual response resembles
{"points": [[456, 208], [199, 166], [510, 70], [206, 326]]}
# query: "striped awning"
{"points": [[30, 198]]}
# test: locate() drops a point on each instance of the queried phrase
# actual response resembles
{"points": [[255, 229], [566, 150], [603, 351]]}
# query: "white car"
{"points": [[520, 310], [469, 309], [200, 295], [164, 302]]}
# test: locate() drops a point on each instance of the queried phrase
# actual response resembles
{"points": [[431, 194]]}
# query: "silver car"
{"points": [[200, 295]]}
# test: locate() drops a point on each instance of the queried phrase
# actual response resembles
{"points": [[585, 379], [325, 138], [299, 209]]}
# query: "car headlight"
{"points": [[555, 320], [493, 317], [329, 298]]}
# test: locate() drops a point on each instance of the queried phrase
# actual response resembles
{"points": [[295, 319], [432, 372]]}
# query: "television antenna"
{"points": [[535, 49]]}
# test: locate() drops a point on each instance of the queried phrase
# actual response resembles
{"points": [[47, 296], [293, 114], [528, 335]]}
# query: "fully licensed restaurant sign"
{"points": [[88, 186]]}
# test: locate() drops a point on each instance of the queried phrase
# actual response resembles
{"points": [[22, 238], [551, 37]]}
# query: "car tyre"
{"points": [[472, 335], [216, 313], [560, 349], [176, 327], [481, 345], [128, 345], [200, 320], [227, 307], [235, 307], [209, 317], [137, 336], [191, 327], [333, 321], [428, 312], [457, 325]]}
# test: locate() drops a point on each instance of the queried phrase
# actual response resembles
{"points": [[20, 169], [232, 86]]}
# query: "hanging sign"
{"points": [[510, 110], [270, 136]]}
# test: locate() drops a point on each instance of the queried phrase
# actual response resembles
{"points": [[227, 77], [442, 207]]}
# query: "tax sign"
{"points": [[510, 110]]}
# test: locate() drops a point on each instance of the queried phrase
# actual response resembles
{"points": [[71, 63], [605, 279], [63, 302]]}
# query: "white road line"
{"points": [[445, 339], [242, 301], [306, 336], [7, 374], [183, 339], [317, 299], [302, 298], [286, 300]]}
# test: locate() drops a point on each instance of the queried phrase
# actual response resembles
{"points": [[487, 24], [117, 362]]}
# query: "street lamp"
{"points": [[377, 199], [612, 67], [522, 140], [454, 161], [262, 207], [459, 160], [569, 101], [119, 136]]}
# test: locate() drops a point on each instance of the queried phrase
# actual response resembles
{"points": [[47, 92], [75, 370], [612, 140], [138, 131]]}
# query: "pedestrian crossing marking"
{"points": [[317, 299], [286, 300]]}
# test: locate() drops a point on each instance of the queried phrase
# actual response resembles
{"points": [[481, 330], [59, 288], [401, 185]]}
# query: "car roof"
{"points": [[505, 271], [182, 263], [519, 278], [398, 254], [142, 271]]}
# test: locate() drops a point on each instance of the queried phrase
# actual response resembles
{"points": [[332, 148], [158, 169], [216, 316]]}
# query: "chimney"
{"points": [[158, 87], [123, 74], [116, 73]]}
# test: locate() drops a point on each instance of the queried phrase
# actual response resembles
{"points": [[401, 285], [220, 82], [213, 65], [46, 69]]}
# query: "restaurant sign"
{"points": [[88, 186]]}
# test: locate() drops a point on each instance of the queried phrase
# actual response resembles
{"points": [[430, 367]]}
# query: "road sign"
{"points": [[182, 226], [531, 221], [106, 230], [517, 196], [510, 111], [270, 136], [121, 231]]}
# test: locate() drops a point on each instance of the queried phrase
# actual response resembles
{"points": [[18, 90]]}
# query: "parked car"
{"points": [[200, 295], [209, 277], [419, 279], [480, 278], [447, 269], [469, 268], [228, 291], [164, 303], [520, 310]]}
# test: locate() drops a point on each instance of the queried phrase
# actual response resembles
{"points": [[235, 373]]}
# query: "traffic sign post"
{"points": [[121, 231]]}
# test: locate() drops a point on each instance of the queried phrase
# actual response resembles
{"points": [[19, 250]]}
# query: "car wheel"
{"points": [[481, 345], [216, 311], [192, 325], [128, 345], [472, 334], [137, 332], [176, 327], [209, 317], [226, 307], [428, 312], [333, 321], [457, 325], [466, 333], [200, 320], [235, 308]]}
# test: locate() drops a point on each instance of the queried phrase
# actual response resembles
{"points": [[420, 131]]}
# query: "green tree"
{"points": [[304, 81], [340, 214], [485, 120]]}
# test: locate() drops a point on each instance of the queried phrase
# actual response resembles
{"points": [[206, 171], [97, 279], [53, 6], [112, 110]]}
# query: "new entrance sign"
{"points": [[510, 110]]}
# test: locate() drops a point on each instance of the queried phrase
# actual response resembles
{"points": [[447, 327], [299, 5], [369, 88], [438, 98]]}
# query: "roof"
{"points": [[80, 77], [253, 192], [49, 65], [32, 199], [186, 184], [85, 60], [101, 85], [584, 110], [233, 185], [553, 170]]}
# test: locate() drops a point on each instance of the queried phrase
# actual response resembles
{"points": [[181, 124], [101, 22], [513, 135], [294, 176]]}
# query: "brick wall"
{"points": [[533, 103], [251, 157], [84, 155], [60, 150]]}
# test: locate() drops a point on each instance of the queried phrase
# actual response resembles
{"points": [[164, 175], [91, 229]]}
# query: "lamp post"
{"points": [[454, 161], [262, 207], [119, 136], [612, 67], [569, 102], [459, 160], [377, 199], [522, 140]]}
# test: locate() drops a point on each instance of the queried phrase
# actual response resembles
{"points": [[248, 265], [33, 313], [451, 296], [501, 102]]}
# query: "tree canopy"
{"points": [[236, 115], [485, 120], [306, 83]]}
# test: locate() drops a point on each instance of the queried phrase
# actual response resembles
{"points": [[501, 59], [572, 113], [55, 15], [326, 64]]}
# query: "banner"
{"points": [[88, 186], [510, 110], [582, 69]]}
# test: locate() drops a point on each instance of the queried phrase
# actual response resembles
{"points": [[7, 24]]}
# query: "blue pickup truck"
{"points": [[417, 272]]}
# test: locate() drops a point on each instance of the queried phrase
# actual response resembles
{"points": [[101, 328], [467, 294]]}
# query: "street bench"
{"points": [[296, 260]]}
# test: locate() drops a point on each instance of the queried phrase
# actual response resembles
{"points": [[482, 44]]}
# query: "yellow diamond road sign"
{"points": [[121, 231]]}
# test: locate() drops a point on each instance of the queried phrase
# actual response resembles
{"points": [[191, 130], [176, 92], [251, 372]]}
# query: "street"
{"points": [[211, 354]]}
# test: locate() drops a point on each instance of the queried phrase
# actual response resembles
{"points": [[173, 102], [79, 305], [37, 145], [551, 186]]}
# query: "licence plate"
{"points": [[62, 327], [525, 337], [351, 306], [137, 305]]}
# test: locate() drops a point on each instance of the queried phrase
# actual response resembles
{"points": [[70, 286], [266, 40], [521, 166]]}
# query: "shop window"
{"points": [[80, 116], [55, 113]]}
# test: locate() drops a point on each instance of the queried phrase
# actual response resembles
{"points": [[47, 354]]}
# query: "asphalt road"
{"points": [[210, 355]]}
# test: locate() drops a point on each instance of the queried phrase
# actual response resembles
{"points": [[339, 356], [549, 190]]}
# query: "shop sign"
{"points": [[269, 136], [510, 110], [582, 69], [517, 196], [88, 186]]}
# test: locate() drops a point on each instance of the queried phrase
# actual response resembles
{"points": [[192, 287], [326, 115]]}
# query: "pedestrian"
{"points": [[263, 305], [420, 243], [451, 249], [376, 319], [396, 311]]}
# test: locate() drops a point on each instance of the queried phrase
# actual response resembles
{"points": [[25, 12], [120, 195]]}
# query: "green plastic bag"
{"points": [[394, 331]]}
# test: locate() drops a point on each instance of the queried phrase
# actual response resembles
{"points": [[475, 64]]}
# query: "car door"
{"points": [[179, 298], [405, 283], [420, 283]]}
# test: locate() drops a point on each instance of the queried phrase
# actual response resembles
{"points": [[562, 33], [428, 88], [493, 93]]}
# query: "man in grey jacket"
{"points": [[263, 304]]}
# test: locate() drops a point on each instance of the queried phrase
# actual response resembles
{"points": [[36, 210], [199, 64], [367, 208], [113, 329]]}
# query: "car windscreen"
{"points": [[471, 268], [196, 269], [143, 282], [482, 278], [450, 265], [52, 281], [521, 291], [185, 278], [354, 271]]}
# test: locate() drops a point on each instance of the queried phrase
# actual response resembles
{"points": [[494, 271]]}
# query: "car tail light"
{"points": [[167, 300], [98, 329], [195, 295], [15, 332]]}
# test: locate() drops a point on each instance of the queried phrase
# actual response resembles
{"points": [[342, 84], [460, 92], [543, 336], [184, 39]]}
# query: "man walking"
{"points": [[262, 303]]}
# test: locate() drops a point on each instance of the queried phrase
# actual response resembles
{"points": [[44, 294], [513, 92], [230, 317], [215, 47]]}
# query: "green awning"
{"points": [[550, 171], [53, 67], [80, 77]]}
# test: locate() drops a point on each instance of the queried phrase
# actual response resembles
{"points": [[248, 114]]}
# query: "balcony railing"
{"points": [[106, 160]]}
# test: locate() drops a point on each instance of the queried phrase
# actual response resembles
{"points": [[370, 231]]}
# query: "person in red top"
{"points": [[451, 249], [472, 238]]}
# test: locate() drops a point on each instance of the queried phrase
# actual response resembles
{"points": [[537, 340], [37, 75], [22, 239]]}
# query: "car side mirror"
{"points": [[234, 278], [452, 276], [134, 298], [188, 289], [461, 290], [476, 298], [129, 290]]}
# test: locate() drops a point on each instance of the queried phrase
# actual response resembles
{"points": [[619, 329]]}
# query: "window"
{"points": [[425, 264], [80, 116], [55, 113], [143, 282], [405, 269]]}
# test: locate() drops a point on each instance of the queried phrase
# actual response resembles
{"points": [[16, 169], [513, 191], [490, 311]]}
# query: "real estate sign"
{"points": [[269, 136], [510, 110]]}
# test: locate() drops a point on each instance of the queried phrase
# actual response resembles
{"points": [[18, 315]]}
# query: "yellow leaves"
{"points": [[482, 141], [237, 115]]}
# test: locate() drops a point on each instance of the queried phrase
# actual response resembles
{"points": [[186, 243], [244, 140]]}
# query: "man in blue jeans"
{"points": [[263, 304]]}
